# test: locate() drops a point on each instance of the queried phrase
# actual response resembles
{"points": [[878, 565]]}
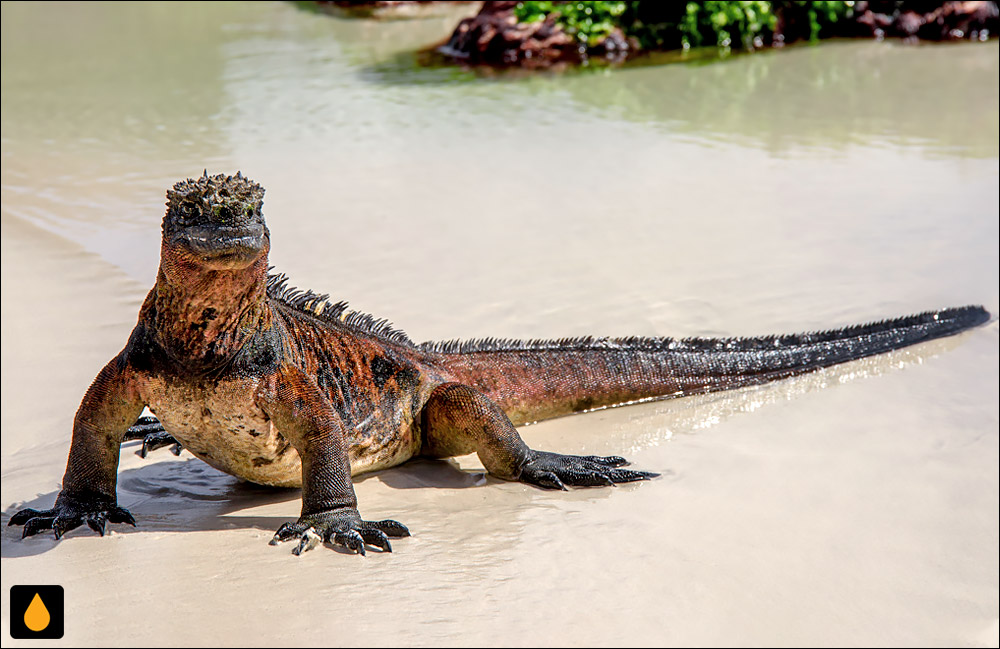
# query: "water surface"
{"points": [[808, 188]]}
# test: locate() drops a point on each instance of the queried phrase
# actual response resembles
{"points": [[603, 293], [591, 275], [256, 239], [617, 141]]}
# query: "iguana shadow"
{"points": [[185, 494]]}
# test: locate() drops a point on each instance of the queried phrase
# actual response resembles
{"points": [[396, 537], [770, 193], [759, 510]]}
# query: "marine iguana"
{"points": [[278, 386]]}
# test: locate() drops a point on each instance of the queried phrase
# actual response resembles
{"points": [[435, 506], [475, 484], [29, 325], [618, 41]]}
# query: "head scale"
{"points": [[214, 200], [216, 221]]}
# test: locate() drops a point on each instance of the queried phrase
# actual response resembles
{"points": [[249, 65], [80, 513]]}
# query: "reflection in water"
{"points": [[373, 40], [833, 95], [937, 96]]}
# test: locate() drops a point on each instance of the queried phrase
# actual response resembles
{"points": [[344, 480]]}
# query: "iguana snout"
{"points": [[216, 221]]}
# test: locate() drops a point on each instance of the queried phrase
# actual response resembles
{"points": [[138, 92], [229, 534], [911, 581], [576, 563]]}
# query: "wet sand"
{"points": [[784, 191]]}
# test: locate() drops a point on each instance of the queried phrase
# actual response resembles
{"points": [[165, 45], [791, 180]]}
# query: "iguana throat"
{"points": [[210, 294]]}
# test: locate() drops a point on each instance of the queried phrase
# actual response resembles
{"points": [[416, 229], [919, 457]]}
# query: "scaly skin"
{"points": [[279, 387]]}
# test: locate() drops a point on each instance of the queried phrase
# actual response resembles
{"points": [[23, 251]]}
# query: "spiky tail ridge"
{"points": [[539, 379]]}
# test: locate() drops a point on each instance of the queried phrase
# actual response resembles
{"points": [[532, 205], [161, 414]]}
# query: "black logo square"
{"points": [[36, 612]]}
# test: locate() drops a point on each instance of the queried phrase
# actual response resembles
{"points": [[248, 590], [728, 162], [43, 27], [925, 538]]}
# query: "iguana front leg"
{"points": [[89, 488], [303, 414], [457, 419]]}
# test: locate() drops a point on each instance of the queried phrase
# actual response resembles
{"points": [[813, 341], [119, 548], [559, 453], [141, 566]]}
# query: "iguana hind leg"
{"points": [[153, 436], [457, 419]]}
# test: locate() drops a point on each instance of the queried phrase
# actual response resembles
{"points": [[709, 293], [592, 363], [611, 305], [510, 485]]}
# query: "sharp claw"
{"points": [[549, 480], [351, 540], [377, 538], [357, 541], [97, 522], [284, 533], [310, 539], [64, 524], [154, 439], [121, 515]]}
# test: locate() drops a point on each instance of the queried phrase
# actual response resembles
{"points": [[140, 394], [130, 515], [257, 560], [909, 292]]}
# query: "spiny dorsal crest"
{"points": [[319, 306], [962, 317], [215, 196]]}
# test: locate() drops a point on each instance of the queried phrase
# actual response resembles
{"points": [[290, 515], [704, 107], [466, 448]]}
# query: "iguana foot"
{"points": [[555, 471], [153, 436], [142, 427], [70, 513], [153, 441], [342, 527]]}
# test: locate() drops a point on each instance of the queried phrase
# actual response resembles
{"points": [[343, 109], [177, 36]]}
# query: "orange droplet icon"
{"points": [[36, 616]]}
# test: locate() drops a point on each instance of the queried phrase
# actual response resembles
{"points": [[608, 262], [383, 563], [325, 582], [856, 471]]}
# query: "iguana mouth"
{"points": [[232, 247]]}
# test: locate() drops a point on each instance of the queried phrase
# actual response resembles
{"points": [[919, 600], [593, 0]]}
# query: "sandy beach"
{"points": [[804, 189]]}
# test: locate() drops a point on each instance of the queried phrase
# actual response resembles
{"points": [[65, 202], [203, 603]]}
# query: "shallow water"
{"points": [[802, 189]]}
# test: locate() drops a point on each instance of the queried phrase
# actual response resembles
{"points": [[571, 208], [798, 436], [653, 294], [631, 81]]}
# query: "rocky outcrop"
{"points": [[494, 37]]}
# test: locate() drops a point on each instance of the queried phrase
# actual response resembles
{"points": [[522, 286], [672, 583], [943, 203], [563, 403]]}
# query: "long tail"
{"points": [[539, 379]]}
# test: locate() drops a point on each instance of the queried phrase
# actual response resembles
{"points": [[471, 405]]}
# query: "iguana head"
{"points": [[216, 222]]}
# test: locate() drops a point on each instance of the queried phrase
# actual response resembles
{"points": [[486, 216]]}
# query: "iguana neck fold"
{"points": [[203, 317]]}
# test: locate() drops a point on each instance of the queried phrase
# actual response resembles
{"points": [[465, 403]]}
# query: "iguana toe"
{"points": [[23, 516], [350, 539], [38, 524], [310, 539], [63, 524], [377, 538], [97, 522]]}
